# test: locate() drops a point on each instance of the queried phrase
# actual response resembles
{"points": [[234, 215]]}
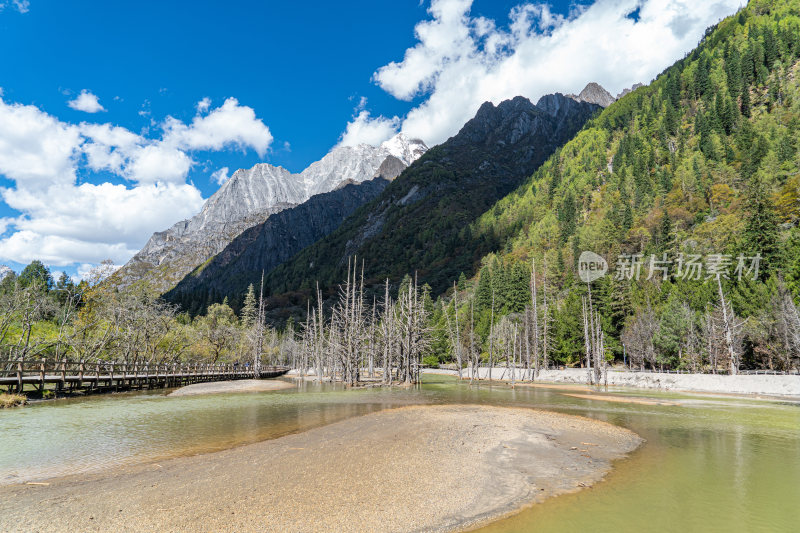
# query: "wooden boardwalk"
{"points": [[72, 376]]}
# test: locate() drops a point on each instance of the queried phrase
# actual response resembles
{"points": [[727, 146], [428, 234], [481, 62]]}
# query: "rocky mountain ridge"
{"points": [[594, 93], [248, 198], [261, 248], [421, 221]]}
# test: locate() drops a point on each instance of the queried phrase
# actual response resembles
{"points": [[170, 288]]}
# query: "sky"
{"points": [[118, 119]]}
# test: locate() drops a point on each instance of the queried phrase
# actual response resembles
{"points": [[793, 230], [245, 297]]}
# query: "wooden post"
{"points": [[111, 375], [80, 373], [19, 375], [41, 374], [63, 372]]}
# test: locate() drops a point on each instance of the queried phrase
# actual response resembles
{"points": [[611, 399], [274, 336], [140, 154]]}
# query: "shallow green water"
{"points": [[709, 464]]}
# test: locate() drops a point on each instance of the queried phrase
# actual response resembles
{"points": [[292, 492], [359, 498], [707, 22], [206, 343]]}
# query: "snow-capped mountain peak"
{"points": [[405, 148], [358, 163], [252, 195]]}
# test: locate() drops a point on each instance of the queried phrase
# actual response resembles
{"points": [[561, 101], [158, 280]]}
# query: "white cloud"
{"points": [[63, 222], [23, 6], [36, 148], [87, 102], [364, 129], [203, 105], [461, 61], [230, 124], [89, 223], [220, 176], [156, 163]]}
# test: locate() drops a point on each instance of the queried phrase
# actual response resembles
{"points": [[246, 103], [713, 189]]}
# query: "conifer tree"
{"points": [[566, 217], [627, 219], [761, 232], [733, 69], [483, 294], [748, 67], [249, 309], [665, 232], [702, 80]]}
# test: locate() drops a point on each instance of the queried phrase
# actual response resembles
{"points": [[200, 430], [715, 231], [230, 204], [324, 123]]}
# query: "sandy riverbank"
{"points": [[242, 385], [431, 468], [781, 385]]}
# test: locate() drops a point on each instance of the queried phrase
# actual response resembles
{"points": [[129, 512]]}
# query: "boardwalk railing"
{"points": [[74, 375]]}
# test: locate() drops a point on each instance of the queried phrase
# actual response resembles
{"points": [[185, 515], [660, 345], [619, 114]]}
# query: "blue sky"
{"points": [[302, 70], [301, 77]]}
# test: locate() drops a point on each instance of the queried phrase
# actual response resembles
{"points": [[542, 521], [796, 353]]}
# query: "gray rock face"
{"points": [[248, 199], [262, 247], [626, 91], [390, 168], [594, 93]]}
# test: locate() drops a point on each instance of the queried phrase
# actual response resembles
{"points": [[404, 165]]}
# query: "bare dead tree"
{"points": [[458, 336], [788, 328], [638, 337], [388, 334], [453, 332], [545, 319], [474, 344], [534, 336], [491, 339], [731, 328], [414, 329], [587, 342]]}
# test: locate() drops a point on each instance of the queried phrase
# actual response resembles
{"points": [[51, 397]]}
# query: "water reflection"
{"points": [[710, 463]]}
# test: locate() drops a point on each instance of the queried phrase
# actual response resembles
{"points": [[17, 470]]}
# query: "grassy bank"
{"points": [[12, 400]]}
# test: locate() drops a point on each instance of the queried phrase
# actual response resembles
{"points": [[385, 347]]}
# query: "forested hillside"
{"points": [[692, 178], [421, 222]]}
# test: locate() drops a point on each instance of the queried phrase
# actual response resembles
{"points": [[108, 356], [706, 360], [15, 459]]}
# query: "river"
{"points": [[710, 463]]}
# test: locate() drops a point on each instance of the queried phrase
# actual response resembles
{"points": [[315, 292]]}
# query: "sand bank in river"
{"points": [[552, 386], [242, 385], [621, 399], [431, 468]]}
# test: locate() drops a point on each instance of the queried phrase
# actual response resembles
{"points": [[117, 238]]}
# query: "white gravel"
{"points": [[768, 385]]}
